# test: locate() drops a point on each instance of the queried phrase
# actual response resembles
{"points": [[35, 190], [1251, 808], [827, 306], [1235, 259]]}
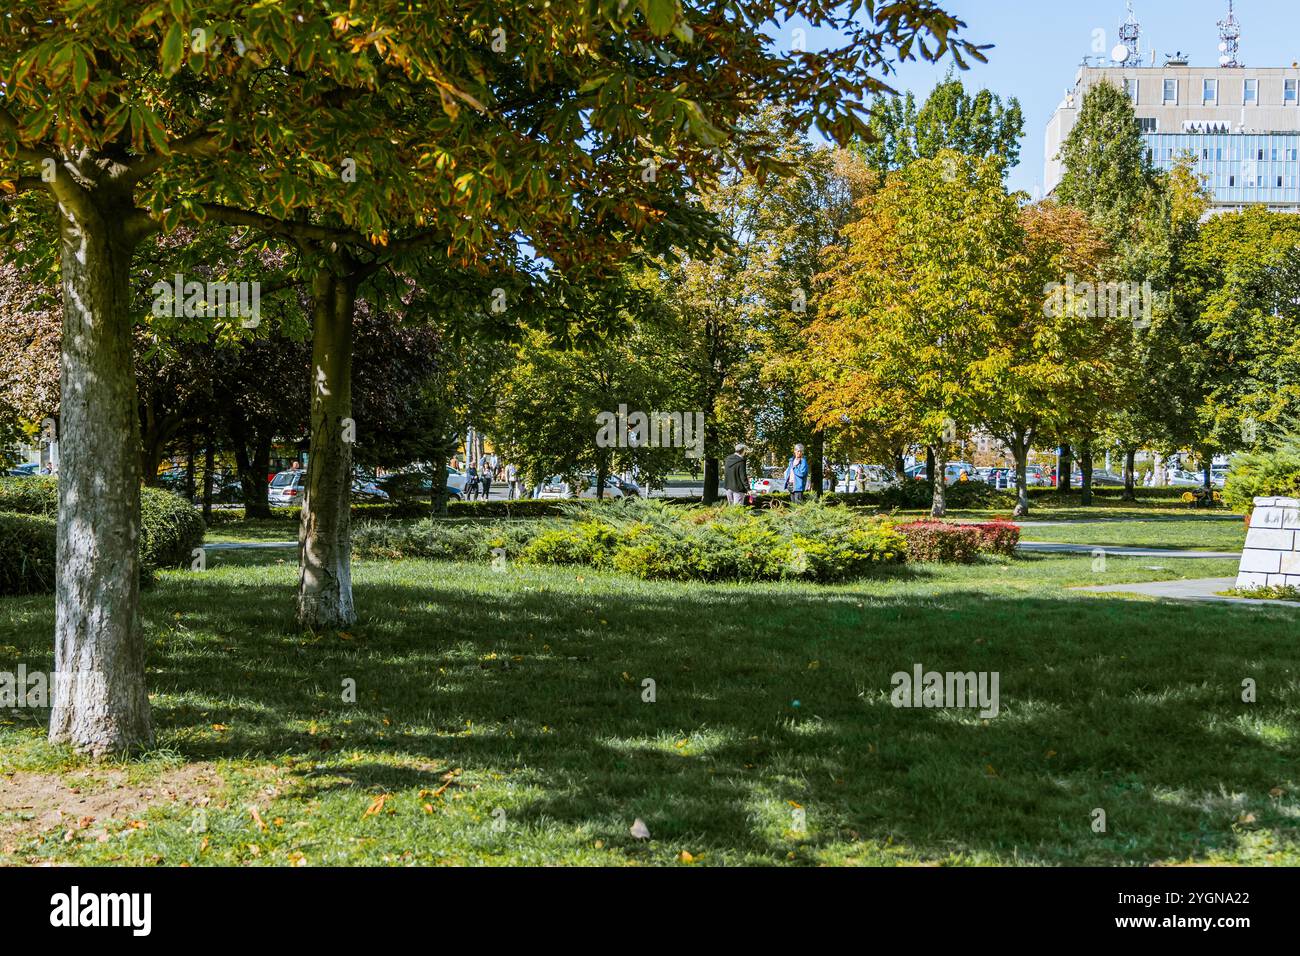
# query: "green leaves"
{"points": [[173, 49], [660, 15]]}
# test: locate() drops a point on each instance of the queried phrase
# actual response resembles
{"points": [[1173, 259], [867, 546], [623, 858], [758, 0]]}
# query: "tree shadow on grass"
{"points": [[767, 700]]}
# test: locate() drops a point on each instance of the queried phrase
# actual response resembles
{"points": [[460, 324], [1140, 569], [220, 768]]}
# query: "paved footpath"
{"points": [[1113, 551], [1202, 589]]}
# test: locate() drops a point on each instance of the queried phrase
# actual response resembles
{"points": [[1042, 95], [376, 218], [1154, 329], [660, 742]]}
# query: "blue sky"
{"points": [[1038, 47]]}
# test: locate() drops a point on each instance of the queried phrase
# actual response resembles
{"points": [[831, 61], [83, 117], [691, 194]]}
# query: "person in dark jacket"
{"points": [[736, 476]]}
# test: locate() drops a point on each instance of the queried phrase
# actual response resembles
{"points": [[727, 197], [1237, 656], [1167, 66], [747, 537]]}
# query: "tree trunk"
{"points": [[252, 468], [438, 483], [100, 703], [711, 481], [939, 497], [929, 467], [324, 535], [1020, 452], [189, 467], [1065, 477], [1085, 466], [1130, 474], [817, 466], [209, 462]]}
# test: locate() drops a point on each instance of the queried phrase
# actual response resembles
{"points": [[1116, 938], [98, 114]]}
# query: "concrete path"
{"points": [[1051, 547], [1202, 589], [251, 545]]}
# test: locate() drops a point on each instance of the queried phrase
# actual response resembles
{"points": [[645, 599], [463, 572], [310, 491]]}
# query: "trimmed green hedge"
{"points": [[170, 527], [26, 554]]}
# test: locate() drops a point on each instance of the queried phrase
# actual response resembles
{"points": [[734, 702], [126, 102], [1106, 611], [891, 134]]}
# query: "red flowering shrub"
{"points": [[998, 537], [937, 541], [948, 543]]}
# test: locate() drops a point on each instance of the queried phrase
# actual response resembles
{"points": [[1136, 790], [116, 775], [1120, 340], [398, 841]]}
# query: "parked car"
{"points": [[1178, 478], [556, 487], [873, 479], [368, 489], [773, 480], [25, 471], [287, 488]]}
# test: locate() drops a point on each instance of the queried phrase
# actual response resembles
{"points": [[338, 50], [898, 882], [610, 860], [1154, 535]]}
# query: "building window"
{"points": [[1289, 92], [1171, 92], [1291, 155], [1148, 124], [1259, 182], [1209, 92], [1250, 92], [1232, 181], [1279, 182], [1131, 88]]}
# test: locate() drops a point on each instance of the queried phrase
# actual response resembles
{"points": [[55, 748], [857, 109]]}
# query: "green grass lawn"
{"points": [[499, 719], [1190, 534]]}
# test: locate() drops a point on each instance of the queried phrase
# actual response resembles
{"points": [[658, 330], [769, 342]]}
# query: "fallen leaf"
{"points": [[257, 818], [376, 805], [639, 829]]}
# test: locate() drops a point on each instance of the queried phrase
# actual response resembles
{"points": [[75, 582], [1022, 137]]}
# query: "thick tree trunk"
{"points": [[438, 491], [939, 498], [1085, 466], [929, 467], [100, 701], [711, 481], [1130, 474], [1065, 478], [324, 535], [252, 469]]}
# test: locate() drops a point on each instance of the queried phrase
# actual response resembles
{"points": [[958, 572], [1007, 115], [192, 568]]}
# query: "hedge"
{"points": [[26, 554], [654, 539], [945, 542], [170, 527]]}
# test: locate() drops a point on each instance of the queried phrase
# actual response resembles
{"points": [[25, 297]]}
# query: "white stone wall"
{"points": [[1272, 555]]}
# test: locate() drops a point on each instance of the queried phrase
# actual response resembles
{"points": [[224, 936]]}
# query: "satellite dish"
{"points": [[1223, 48], [1224, 60], [1119, 54]]}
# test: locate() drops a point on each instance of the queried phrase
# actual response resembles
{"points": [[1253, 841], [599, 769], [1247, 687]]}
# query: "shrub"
{"points": [[1267, 474], [441, 540], [937, 541], [26, 554], [587, 542], [170, 527], [998, 537]]}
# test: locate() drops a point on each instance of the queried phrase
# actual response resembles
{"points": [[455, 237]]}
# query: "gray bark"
{"points": [[100, 701], [324, 534]]}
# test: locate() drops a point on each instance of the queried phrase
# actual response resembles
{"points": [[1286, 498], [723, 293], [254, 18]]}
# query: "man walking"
{"points": [[512, 481], [796, 475], [736, 476]]}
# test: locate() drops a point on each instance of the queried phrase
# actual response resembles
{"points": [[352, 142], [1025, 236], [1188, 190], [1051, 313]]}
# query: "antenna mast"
{"points": [[1229, 40], [1130, 38]]}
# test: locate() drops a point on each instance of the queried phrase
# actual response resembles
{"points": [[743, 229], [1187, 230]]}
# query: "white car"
{"points": [[556, 487], [287, 488], [873, 479], [1178, 478]]}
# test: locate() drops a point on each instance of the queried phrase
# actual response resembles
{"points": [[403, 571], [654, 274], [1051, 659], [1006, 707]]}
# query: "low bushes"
{"points": [[1267, 474], [661, 541], [942, 542], [26, 554], [170, 527]]}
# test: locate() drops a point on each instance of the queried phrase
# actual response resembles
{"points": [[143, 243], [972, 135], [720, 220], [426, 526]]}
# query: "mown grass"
{"points": [[1178, 534], [499, 718]]}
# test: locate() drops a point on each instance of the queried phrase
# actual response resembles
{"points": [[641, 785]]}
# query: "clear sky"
{"points": [[1038, 45]]}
